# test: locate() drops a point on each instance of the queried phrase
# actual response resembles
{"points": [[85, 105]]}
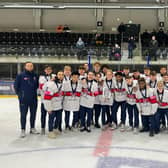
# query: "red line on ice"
{"points": [[103, 144]]}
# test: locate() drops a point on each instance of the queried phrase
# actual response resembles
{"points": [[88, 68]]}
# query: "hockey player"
{"points": [[162, 99], [107, 97], [147, 104], [146, 74], [67, 72], [119, 100], [153, 80], [72, 92], [26, 85], [126, 71], [53, 97], [82, 73], [97, 103], [131, 106], [165, 80], [47, 76], [89, 91], [163, 71]]}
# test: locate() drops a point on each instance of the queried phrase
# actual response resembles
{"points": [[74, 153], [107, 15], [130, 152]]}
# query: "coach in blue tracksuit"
{"points": [[26, 85]]}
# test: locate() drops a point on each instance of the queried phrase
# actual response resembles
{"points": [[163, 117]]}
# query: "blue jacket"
{"points": [[26, 85]]}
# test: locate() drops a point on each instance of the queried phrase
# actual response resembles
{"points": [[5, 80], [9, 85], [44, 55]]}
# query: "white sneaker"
{"points": [[33, 131], [52, 135], [104, 127], [114, 126], [135, 131], [56, 131], [122, 129], [23, 134], [120, 124], [130, 128]]}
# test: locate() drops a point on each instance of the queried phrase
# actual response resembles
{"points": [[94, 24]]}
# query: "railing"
{"points": [[155, 53], [97, 52]]}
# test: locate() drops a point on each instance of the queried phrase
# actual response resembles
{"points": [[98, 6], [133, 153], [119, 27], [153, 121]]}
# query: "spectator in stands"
{"points": [[115, 53], [161, 37], [131, 46], [97, 39], [121, 28], [154, 33], [80, 45], [153, 46], [60, 29], [66, 28], [146, 38]]}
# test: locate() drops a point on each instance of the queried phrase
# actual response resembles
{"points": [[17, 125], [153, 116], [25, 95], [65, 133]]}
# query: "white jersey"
{"points": [[120, 90], [53, 96], [67, 78], [152, 84], [42, 80], [131, 94], [159, 77], [72, 93], [166, 85], [146, 101], [107, 90], [162, 99], [89, 92], [98, 97]]}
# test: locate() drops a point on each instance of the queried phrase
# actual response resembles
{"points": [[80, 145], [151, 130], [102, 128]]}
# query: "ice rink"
{"points": [[97, 149]]}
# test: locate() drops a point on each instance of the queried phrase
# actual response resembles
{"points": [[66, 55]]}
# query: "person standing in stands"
{"points": [[121, 28], [153, 46], [47, 76], [60, 29], [80, 45], [131, 46], [26, 85]]}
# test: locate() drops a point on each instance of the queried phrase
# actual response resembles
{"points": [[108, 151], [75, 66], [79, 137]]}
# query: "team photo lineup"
{"points": [[94, 97]]}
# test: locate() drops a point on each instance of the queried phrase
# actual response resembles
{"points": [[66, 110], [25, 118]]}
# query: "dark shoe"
{"points": [[151, 134], [144, 130], [68, 128], [88, 129], [157, 131], [82, 129], [97, 126]]}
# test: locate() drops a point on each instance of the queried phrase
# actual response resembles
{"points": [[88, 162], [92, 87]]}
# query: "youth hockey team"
{"points": [[94, 97]]}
